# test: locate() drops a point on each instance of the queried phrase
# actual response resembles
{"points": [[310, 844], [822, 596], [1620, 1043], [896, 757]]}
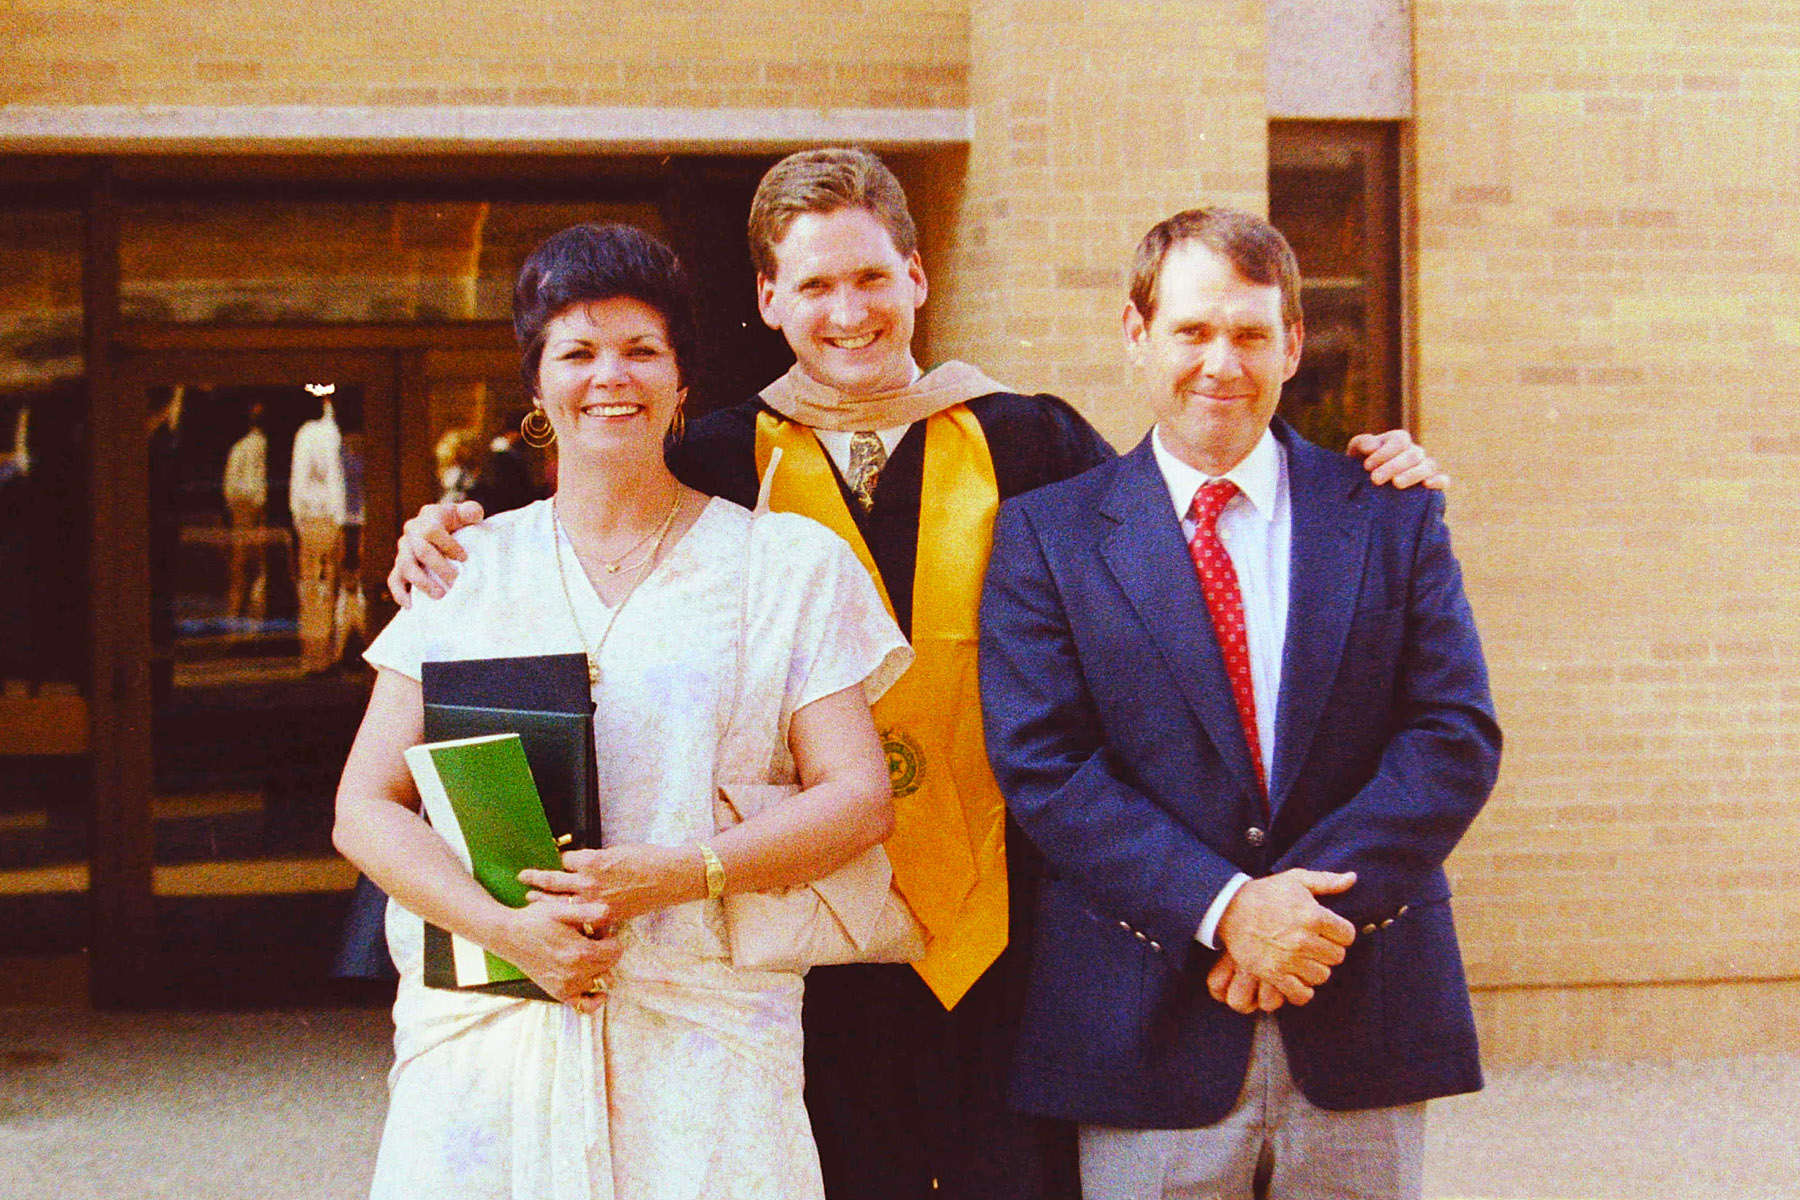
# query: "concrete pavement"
{"points": [[288, 1106]]}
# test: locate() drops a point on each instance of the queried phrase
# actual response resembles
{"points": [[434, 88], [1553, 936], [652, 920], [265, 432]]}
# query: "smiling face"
{"points": [[1215, 356], [844, 296], [608, 379]]}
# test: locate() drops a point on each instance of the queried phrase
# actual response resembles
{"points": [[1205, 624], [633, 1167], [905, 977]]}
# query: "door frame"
{"points": [[127, 969]]}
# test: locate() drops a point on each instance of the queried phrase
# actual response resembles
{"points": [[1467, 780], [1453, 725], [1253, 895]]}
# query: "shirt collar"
{"points": [[1257, 475]]}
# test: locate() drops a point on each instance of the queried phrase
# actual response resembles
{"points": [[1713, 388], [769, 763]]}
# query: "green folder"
{"points": [[479, 795], [558, 745]]}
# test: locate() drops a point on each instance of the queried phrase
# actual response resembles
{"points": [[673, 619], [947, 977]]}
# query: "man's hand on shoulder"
{"points": [[1393, 457], [426, 555], [1277, 933]]}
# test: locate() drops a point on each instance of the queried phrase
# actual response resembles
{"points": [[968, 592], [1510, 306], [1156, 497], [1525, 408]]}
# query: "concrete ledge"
{"points": [[1637, 1021], [324, 129]]}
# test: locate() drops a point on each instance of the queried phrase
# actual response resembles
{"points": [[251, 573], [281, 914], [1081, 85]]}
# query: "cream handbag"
{"points": [[853, 914]]}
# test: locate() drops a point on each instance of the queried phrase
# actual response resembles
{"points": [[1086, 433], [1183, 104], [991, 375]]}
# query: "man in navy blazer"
{"points": [[1235, 695]]}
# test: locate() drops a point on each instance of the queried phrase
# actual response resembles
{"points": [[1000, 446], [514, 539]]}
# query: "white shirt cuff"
{"points": [[1209, 927]]}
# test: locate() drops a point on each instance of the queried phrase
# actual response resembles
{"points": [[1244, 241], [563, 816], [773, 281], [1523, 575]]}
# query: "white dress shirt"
{"points": [[837, 441], [247, 470], [316, 472], [1257, 531], [837, 444]]}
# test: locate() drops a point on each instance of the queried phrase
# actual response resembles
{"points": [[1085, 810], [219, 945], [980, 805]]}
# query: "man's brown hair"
{"points": [[1250, 244], [824, 181]]}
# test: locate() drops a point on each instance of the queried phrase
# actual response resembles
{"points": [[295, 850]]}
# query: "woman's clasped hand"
{"points": [[550, 943]]}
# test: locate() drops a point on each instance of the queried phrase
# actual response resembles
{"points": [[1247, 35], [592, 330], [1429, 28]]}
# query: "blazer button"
{"points": [[1368, 929], [1387, 922], [1402, 911], [1156, 945], [1125, 925], [1255, 836]]}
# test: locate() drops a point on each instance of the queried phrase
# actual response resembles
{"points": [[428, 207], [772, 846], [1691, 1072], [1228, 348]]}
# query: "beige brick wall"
{"points": [[1694, 1020], [1608, 339], [677, 53], [1091, 122], [1609, 343]]}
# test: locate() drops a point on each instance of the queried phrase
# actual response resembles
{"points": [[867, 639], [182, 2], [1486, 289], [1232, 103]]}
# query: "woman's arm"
{"points": [[845, 807], [379, 829]]}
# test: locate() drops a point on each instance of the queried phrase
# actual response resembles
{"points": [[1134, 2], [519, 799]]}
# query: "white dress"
{"points": [[688, 1082]]}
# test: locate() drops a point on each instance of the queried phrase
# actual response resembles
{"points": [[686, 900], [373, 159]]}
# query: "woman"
{"points": [[665, 1073]]}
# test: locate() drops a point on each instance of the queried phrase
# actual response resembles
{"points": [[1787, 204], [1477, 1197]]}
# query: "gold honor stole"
{"points": [[949, 844]]}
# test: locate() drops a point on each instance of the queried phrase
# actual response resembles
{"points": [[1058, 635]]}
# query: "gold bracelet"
{"points": [[715, 872]]}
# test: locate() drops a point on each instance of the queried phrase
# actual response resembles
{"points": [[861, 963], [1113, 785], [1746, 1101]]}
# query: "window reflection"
{"points": [[44, 814], [474, 403], [256, 513], [226, 262], [43, 468], [258, 619]]}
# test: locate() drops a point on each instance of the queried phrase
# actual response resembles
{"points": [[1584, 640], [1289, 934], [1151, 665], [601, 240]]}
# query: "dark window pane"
{"points": [[1332, 192], [43, 584]]}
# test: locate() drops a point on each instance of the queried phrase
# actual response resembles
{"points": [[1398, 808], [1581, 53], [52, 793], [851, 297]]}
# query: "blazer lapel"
{"points": [[1147, 556], [1329, 540]]}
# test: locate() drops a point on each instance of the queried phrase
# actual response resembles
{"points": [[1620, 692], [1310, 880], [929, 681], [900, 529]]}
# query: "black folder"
{"points": [[545, 699]]}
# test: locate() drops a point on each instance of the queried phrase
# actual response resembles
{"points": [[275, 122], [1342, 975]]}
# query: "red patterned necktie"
{"points": [[1219, 581]]}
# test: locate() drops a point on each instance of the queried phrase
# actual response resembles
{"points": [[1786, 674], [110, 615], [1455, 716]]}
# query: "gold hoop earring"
{"points": [[678, 426], [537, 430]]}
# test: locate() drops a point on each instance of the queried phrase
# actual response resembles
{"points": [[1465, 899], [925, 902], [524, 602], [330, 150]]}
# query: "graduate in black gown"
{"points": [[903, 1091], [906, 1064]]}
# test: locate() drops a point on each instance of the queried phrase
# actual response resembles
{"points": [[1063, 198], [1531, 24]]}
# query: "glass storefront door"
{"points": [[181, 677], [267, 477]]}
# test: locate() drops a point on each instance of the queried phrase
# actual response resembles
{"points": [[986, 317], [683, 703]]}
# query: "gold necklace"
{"points": [[618, 564], [557, 533]]}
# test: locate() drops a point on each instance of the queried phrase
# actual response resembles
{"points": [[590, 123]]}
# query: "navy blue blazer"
{"points": [[1111, 726]]}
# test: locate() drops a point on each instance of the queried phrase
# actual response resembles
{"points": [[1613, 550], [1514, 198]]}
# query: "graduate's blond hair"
{"points": [[824, 181]]}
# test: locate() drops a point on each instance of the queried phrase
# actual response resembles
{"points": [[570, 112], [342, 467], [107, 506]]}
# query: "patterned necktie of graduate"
{"points": [[1219, 582], [867, 457]]}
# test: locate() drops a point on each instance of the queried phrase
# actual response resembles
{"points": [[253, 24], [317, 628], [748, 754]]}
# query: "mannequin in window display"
{"points": [[317, 502], [246, 491], [351, 615]]}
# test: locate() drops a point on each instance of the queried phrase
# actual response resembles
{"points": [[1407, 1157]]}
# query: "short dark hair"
{"points": [[824, 181], [1249, 243], [587, 263]]}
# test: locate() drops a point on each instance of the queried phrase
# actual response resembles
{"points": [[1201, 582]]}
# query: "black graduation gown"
{"points": [[902, 1094]]}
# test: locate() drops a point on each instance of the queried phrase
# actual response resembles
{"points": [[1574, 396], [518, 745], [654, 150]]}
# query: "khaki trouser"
{"points": [[249, 562], [1273, 1144], [316, 579]]}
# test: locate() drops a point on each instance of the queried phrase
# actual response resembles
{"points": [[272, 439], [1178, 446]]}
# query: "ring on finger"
{"points": [[598, 986], [588, 930]]}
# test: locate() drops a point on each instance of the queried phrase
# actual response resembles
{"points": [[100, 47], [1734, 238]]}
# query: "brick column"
{"points": [[1092, 121]]}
